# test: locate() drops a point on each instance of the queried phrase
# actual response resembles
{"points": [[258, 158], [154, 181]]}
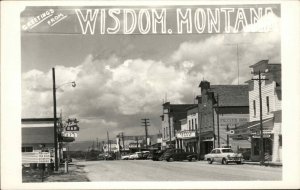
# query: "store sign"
{"points": [[35, 157], [69, 134], [258, 136], [232, 120], [185, 134], [72, 125], [134, 145], [264, 132]]}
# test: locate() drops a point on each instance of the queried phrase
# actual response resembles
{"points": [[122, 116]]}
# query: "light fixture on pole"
{"points": [[55, 118]]}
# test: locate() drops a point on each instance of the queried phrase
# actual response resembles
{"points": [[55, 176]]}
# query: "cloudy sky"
{"points": [[124, 78]]}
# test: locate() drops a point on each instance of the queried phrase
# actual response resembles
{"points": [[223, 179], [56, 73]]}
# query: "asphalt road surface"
{"points": [[148, 170]]}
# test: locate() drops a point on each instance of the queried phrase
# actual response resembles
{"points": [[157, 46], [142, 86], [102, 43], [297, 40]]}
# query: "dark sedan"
{"points": [[179, 155]]}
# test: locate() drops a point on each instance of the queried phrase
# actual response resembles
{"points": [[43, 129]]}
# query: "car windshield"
{"points": [[227, 150]]}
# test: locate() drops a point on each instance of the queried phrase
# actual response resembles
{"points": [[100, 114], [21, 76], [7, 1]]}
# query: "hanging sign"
{"points": [[69, 134], [72, 125]]}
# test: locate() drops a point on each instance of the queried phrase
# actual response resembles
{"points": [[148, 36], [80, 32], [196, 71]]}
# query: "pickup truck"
{"points": [[179, 155]]}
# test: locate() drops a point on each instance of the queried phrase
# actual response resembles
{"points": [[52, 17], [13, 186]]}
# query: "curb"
{"points": [[266, 164]]}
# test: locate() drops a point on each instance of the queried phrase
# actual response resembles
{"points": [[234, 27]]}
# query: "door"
{"points": [[218, 155]]}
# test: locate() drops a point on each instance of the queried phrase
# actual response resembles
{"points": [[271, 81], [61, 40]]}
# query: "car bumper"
{"points": [[234, 159]]}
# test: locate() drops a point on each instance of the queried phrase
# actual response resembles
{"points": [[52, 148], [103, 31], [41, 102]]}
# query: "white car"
{"points": [[223, 155], [135, 156], [125, 157]]}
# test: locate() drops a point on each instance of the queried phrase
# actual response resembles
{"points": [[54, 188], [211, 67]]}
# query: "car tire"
{"points": [[210, 161], [193, 159], [239, 162], [224, 161], [170, 160]]}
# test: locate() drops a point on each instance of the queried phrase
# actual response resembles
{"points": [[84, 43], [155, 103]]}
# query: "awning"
{"points": [[268, 123]]}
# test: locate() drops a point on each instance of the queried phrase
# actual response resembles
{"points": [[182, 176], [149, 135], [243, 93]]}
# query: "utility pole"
{"points": [[227, 140], [145, 122], [97, 144], [137, 143], [123, 141], [262, 151], [200, 124], [169, 122], [55, 121], [107, 142], [218, 120]]}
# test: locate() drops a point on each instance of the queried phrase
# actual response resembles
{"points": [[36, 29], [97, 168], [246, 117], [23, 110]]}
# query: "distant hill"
{"points": [[81, 145]]}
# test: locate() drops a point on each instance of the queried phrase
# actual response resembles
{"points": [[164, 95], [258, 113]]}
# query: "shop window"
{"points": [[196, 124], [189, 125], [164, 132], [192, 124], [27, 149], [268, 104], [254, 108]]}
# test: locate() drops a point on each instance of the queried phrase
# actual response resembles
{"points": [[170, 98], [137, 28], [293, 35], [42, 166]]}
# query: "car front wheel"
{"points": [[224, 161], [210, 161], [239, 162], [170, 160]]}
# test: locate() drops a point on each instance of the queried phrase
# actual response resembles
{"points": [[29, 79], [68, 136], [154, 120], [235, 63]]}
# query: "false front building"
{"points": [[221, 109], [271, 110], [172, 114]]}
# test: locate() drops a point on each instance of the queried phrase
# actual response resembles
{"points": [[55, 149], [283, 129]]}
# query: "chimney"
{"points": [[204, 85]]}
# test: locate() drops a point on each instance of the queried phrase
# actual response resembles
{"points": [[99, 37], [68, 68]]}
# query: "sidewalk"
{"points": [[75, 174]]}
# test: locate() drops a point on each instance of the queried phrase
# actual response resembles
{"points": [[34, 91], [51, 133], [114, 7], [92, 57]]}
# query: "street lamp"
{"points": [[55, 119]]}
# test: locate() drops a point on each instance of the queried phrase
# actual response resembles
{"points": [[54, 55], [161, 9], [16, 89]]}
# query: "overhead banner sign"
{"points": [[35, 157]]}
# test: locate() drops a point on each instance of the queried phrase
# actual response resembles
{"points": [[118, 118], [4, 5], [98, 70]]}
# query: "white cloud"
{"points": [[215, 58]]}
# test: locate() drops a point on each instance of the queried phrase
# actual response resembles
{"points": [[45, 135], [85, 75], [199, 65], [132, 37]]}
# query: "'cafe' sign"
{"points": [[185, 134]]}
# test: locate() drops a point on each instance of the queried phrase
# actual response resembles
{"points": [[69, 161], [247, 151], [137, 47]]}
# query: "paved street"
{"points": [[148, 170]]}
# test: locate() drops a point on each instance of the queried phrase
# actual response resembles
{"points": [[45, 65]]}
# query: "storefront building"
{"points": [[271, 112], [38, 136], [172, 114], [221, 108]]}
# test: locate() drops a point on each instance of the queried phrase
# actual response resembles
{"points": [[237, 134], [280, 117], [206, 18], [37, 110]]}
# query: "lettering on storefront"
{"points": [[134, 145], [185, 134], [232, 121]]}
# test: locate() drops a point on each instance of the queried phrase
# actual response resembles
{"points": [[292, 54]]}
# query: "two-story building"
{"points": [[221, 108], [172, 114], [271, 110], [186, 137]]}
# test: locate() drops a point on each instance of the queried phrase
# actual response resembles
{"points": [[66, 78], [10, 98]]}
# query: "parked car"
{"points": [[105, 156], [135, 156], [223, 155], [125, 157], [179, 155], [131, 157], [157, 155], [145, 154]]}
